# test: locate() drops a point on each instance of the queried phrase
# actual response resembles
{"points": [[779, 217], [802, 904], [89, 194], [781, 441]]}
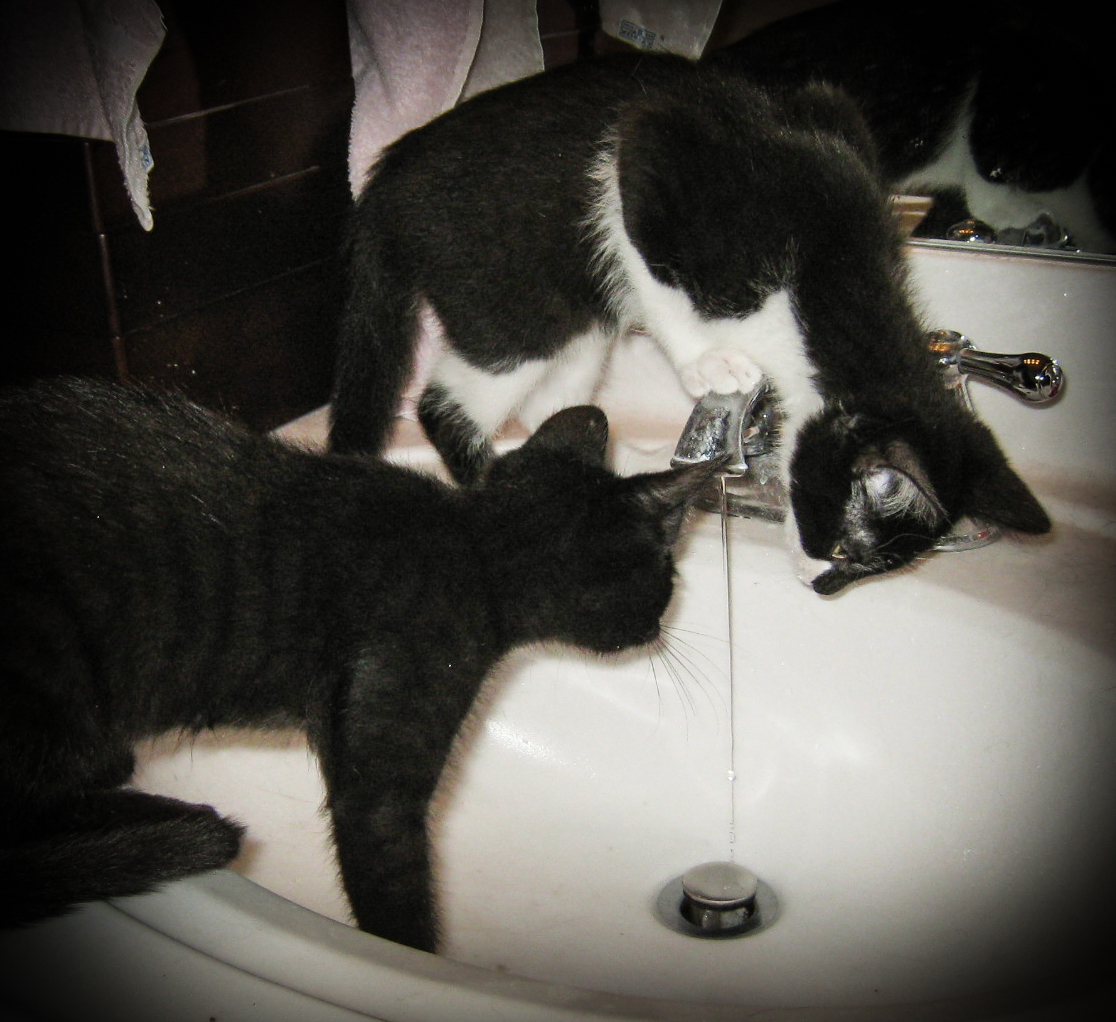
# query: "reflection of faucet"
{"points": [[742, 429], [1042, 232]]}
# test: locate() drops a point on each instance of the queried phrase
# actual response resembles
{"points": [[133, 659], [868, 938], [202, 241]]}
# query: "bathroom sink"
{"points": [[919, 769]]}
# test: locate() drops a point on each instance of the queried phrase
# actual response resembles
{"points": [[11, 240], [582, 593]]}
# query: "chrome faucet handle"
{"points": [[1030, 375], [1034, 377]]}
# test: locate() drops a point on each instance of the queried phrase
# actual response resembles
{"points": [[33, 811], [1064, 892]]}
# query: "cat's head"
{"points": [[585, 555], [870, 493]]}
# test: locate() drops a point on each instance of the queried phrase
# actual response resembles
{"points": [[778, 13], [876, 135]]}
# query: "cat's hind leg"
{"points": [[105, 844], [377, 337], [464, 406], [571, 379]]}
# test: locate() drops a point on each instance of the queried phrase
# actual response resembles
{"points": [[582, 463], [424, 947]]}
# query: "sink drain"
{"points": [[717, 900]]}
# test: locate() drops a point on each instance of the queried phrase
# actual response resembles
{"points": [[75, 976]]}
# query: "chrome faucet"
{"points": [[742, 429], [734, 427]]}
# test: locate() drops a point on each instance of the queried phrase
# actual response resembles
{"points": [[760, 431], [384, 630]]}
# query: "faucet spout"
{"points": [[737, 430], [728, 428]]}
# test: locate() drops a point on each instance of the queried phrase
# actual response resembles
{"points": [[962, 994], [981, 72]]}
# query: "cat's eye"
{"points": [[838, 552]]}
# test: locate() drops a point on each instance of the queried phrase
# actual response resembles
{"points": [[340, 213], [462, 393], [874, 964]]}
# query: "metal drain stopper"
{"points": [[717, 899], [719, 896]]}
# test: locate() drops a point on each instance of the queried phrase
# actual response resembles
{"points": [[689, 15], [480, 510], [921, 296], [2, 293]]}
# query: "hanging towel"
{"points": [[414, 59], [72, 67]]}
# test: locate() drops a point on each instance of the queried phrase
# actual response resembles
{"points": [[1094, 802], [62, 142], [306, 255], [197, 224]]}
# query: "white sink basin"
{"points": [[923, 764]]}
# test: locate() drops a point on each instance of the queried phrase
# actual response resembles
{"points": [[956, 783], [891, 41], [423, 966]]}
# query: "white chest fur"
{"points": [[721, 354]]}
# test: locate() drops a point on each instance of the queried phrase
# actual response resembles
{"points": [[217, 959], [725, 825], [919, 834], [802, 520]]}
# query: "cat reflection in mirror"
{"points": [[939, 81], [166, 570], [745, 228]]}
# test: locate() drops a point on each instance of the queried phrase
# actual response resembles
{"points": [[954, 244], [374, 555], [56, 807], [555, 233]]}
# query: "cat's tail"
{"points": [[377, 339], [109, 845]]}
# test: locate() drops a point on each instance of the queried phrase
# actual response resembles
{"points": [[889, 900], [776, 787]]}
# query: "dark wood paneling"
{"points": [[203, 156], [233, 296], [30, 354], [255, 355], [221, 52], [223, 247]]}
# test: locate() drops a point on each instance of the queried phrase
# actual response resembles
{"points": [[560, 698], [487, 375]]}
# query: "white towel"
{"points": [[72, 67], [414, 59]]}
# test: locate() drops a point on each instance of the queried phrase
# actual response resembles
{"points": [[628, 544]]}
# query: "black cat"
{"points": [[746, 228], [164, 569]]}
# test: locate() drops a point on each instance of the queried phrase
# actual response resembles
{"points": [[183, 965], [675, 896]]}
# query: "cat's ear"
{"points": [[895, 482], [996, 494], [668, 495], [580, 432]]}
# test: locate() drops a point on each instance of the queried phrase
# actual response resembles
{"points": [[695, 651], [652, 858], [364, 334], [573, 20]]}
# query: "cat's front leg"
{"points": [[382, 849], [377, 799], [725, 354], [382, 756]]}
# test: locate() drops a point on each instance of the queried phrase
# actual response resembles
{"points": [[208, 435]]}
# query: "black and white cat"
{"points": [[745, 228], [166, 570]]}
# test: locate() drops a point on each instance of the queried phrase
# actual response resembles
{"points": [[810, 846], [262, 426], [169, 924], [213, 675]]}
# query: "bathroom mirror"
{"points": [[997, 111]]}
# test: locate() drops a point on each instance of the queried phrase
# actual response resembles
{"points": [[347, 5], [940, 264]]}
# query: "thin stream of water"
{"points": [[726, 564]]}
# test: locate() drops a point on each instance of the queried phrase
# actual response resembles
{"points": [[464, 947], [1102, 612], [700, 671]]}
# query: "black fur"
{"points": [[730, 192], [914, 471], [481, 213], [165, 570]]}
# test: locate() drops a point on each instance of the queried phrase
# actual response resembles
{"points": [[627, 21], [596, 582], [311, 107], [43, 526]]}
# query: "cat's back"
{"points": [[102, 452], [95, 474], [538, 135], [148, 522], [95, 450], [117, 467], [83, 426]]}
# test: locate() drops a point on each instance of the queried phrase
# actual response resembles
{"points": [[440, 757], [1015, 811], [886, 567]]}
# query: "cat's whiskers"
{"points": [[679, 659], [693, 652]]}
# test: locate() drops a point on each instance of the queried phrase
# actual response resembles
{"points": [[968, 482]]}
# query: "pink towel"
{"points": [[414, 59]]}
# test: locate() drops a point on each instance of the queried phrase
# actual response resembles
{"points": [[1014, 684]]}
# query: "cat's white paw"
{"points": [[723, 371]]}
